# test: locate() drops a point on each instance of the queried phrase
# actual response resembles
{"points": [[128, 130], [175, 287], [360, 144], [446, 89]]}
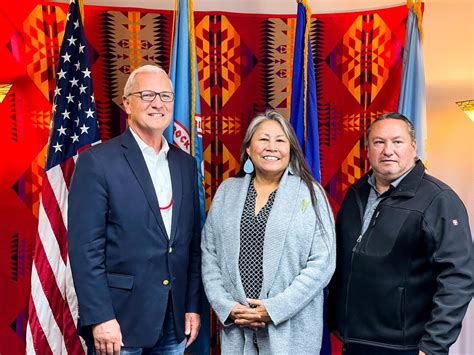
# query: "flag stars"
{"points": [[73, 110], [57, 147], [72, 40], [90, 113], [61, 130], [61, 74], [87, 73], [73, 82], [70, 98], [82, 89], [66, 57], [84, 129], [75, 137], [66, 114]]}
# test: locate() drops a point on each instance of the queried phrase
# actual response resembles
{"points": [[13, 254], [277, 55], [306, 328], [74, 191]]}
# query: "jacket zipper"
{"points": [[376, 215], [346, 306], [361, 213], [354, 249]]}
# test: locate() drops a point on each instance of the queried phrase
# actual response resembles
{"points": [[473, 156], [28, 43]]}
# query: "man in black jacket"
{"points": [[404, 274]]}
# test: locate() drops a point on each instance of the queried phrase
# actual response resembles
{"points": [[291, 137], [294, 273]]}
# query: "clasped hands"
{"points": [[253, 316]]}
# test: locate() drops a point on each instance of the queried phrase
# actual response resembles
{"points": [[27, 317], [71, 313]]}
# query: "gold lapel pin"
{"points": [[305, 205]]}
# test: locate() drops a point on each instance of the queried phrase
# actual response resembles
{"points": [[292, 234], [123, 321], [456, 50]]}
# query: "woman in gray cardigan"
{"points": [[268, 247]]}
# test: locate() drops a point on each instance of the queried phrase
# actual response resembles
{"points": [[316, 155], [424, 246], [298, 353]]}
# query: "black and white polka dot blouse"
{"points": [[252, 235]]}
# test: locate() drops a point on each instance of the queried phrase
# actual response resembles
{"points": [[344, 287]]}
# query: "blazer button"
{"points": [[170, 250], [166, 282]]}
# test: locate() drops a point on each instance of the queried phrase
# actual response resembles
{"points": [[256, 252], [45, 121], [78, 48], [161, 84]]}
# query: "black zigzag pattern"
{"points": [[104, 103], [161, 39], [267, 30]]}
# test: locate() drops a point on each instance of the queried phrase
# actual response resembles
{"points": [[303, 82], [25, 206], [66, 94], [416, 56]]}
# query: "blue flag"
{"points": [[412, 94], [185, 130], [304, 109], [304, 115]]}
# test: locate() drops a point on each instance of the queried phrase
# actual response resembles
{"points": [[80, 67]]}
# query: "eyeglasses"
{"points": [[149, 95]]}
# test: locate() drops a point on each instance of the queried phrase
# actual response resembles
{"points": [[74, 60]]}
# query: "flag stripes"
{"points": [[53, 309]]}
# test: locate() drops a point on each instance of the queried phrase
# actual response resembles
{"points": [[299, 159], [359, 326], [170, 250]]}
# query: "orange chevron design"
{"points": [[134, 28], [44, 31], [365, 57], [380, 55], [203, 53], [231, 79], [228, 125], [133, 45], [37, 171], [227, 60], [230, 167], [350, 168]]}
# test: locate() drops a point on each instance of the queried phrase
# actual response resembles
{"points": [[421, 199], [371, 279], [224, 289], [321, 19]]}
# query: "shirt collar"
{"points": [[145, 148], [393, 184]]}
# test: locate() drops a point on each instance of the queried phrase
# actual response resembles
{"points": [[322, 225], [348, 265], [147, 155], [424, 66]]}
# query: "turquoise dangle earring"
{"points": [[248, 166]]}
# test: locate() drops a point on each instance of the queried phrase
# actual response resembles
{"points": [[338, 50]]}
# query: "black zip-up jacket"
{"points": [[407, 281]]}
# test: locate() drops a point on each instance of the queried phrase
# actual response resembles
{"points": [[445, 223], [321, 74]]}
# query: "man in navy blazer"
{"points": [[134, 231]]}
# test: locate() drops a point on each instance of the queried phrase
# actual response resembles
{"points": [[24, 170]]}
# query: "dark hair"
{"points": [[297, 161], [394, 116]]}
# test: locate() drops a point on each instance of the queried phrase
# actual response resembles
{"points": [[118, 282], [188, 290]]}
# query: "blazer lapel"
{"points": [[276, 230], [176, 183], [135, 159]]}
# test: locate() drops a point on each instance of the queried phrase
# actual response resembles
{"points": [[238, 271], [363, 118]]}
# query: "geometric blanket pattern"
{"points": [[245, 66]]}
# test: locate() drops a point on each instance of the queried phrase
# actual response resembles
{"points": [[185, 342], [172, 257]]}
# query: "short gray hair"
{"points": [[148, 68]]}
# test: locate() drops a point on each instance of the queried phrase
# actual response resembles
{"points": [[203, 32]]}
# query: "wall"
{"points": [[449, 68]]}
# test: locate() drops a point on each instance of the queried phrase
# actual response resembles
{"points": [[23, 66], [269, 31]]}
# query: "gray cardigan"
{"points": [[298, 262]]}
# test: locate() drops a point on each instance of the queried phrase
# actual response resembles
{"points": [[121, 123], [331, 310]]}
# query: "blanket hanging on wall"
{"points": [[244, 63]]}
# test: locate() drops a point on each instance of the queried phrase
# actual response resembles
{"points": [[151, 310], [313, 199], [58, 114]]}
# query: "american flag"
{"points": [[53, 311]]}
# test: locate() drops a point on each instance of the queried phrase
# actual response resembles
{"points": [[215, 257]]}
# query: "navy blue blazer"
{"points": [[123, 264]]}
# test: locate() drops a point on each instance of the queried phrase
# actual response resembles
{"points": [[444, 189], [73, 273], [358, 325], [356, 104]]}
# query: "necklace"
{"points": [[167, 206]]}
